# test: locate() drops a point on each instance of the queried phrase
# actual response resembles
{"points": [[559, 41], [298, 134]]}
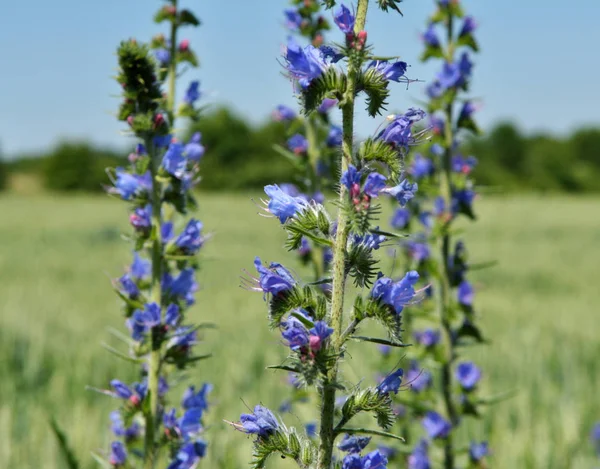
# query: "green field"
{"points": [[539, 306]]}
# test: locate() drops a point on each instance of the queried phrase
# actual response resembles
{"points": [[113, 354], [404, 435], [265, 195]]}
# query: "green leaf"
{"points": [[186, 17], [375, 86], [379, 341], [297, 297], [482, 265], [291, 157], [368, 400], [468, 40], [103, 462], [121, 355], [393, 4], [63, 444], [378, 151], [331, 84], [282, 367], [432, 52], [385, 315], [307, 323], [361, 265], [366, 431]]}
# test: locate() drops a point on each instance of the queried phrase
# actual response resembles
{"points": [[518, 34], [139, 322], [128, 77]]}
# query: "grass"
{"points": [[539, 306]]}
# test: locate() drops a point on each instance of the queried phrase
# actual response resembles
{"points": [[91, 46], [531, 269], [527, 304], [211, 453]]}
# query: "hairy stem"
{"points": [[444, 281], [327, 433]]}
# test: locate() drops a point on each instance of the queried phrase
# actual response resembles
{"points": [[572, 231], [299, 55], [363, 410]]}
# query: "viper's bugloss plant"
{"points": [[159, 285], [444, 383], [313, 318]]}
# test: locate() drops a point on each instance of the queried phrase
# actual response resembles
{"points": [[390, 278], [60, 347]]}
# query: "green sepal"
{"points": [[306, 322], [361, 265], [369, 400], [186, 17], [296, 298], [378, 151], [432, 52], [375, 86], [468, 330], [385, 315], [469, 124], [312, 222], [187, 56], [285, 442], [328, 3], [456, 9], [331, 84], [366, 431], [163, 15], [393, 4], [468, 40]]}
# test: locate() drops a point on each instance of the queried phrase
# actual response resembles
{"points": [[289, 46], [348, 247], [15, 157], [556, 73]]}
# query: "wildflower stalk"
{"points": [[172, 69], [326, 433]]}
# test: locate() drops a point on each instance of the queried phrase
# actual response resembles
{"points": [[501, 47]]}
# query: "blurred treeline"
{"points": [[241, 156]]}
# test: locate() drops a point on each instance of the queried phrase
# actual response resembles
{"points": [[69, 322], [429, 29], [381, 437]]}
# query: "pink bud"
{"points": [[317, 41], [184, 45], [130, 120], [315, 343], [135, 400], [355, 190], [159, 120], [170, 10]]}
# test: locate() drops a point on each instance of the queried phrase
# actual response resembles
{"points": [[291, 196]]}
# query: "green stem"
{"points": [[445, 301], [155, 358], [172, 71], [327, 434]]}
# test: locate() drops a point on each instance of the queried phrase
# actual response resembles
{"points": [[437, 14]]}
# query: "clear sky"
{"points": [[539, 64]]}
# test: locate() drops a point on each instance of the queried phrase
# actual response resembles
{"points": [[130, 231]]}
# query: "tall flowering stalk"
{"points": [[314, 321], [159, 286], [446, 321]]}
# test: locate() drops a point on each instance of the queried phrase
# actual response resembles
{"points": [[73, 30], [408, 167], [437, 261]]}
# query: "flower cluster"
{"points": [[445, 320], [311, 317], [158, 287]]}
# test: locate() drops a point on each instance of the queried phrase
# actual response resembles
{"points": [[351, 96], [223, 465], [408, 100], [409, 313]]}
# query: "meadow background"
{"points": [[61, 238]]}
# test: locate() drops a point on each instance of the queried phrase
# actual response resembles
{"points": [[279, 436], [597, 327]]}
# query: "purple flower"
{"points": [[462, 198], [132, 185], [140, 219], [400, 218], [284, 113], [391, 383], [122, 391], [293, 19], [465, 293], [468, 375], [304, 64], [465, 66], [374, 184], [311, 430], [435, 425], [334, 137], [275, 279], [436, 149], [421, 167], [118, 454], [294, 332], [373, 460], [430, 37], [396, 294], [331, 53], [418, 379], [463, 165], [191, 398], [174, 162], [163, 56], [190, 424], [261, 422], [191, 239], [298, 144], [398, 132], [162, 141], [467, 110], [419, 251], [181, 287], [427, 338], [371, 241], [353, 443], [118, 427], [282, 205], [319, 334], [403, 192], [183, 338], [344, 19], [385, 350], [326, 105], [194, 150], [478, 451], [189, 455], [192, 94], [419, 458], [351, 177], [391, 71], [469, 25]]}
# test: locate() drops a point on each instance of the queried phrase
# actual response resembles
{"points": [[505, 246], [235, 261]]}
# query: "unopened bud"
{"points": [[355, 191], [315, 343], [135, 400], [170, 10], [318, 40], [159, 120], [184, 45], [130, 120]]}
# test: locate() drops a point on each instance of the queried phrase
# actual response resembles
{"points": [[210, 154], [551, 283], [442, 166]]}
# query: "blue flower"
{"points": [[191, 398], [391, 71], [326, 105], [118, 428], [282, 205], [304, 64], [465, 293], [331, 53], [398, 133], [400, 218], [351, 177], [467, 110], [391, 383], [293, 19], [430, 37], [261, 422], [418, 251], [344, 19], [140, 219], [183, 338], [122, 391], [468, 375], [129, 185], [427, 338], [421, 167], [478, 451], [319, 334], [374, 184], [460, 164], [396, 294], [118, 454], [298, 144], [403, 192], [295, 333], [140, 267], [190, 423], [311, 430], [129, 287], [284, 113], [192, 94], [163, 56], [194, 150], [189, 455], [191, 239], [419, 458], [417, 378], [435, 425], [275, 279], [373, 460], [353, 443], [162, 141], [181, 287], [385, 350], [174, 162], [462, 198], [469, 25], [371, 241], [334, 137]]}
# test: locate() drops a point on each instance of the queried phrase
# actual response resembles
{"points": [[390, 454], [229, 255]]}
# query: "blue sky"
{"points": [[538, 65]]}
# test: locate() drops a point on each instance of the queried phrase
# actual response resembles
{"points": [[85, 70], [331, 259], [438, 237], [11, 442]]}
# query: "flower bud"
{"points": [[170, 10], [184, 45], [159, 120], [130, 120], [315, 343], [134, 399], [318, 40], [355, 191]]}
